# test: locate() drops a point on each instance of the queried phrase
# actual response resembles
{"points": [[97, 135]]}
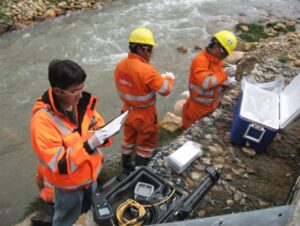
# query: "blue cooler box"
{"points": [[261, 113]]}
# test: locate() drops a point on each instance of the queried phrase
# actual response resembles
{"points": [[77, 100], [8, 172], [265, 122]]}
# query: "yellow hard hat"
{"points": [[227, 39], [142, 35]]}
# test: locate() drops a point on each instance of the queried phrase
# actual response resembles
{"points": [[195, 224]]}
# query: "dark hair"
{"points": [[65, 73], [213, 42], [133, 47]]}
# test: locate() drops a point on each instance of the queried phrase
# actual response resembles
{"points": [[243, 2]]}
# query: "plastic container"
{"points": [[260, 114], [184, 156]]}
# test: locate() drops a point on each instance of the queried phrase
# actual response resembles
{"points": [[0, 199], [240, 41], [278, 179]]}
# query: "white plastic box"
{"points": [[184, 156]]}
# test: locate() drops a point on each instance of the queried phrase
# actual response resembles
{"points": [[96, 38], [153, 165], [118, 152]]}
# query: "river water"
{"points": [[97, 40]]}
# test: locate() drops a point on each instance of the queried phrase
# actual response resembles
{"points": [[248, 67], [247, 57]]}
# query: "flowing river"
{"points": [[97, 40]]}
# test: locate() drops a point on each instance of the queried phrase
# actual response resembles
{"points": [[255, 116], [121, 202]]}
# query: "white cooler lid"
{"points": [[260, 106], [290, 102]]}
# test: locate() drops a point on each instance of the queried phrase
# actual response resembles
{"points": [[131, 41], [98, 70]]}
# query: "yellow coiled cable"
{"points": [[138, 221]]}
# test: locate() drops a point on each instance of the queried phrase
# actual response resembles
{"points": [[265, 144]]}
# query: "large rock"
{"points": [[171, 122], [297, 63], [235, 57], [86, 220], [178, 106], [49, 14]]}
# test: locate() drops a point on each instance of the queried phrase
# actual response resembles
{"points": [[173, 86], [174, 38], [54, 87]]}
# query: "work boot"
{"points": [[126, 163], [44, 216], [141, 161], [41, 219]]}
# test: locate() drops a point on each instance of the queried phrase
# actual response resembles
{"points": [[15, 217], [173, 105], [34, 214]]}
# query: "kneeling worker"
{"points": [[71, 160], [207, 77], [137, 81]]}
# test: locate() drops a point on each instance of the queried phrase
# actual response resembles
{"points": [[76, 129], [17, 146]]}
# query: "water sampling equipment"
{"points": [[144, 198]]}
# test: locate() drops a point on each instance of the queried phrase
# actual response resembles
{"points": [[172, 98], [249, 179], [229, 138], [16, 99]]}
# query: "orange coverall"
{"points": [[137, 81], [205, 85]]}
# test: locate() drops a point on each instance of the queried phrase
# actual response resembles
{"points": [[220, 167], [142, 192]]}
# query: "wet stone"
{"points": [[249, 152]]}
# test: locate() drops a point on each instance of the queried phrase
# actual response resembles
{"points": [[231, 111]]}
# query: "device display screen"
{"points": [[103, 211], [144, 190]]}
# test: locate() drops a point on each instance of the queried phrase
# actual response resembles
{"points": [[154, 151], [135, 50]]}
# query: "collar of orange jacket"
{"points": [[49, 99], [136, 56], [212, 58]]}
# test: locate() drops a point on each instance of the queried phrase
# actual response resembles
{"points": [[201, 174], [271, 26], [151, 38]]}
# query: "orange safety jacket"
{"points": [[59, 143], [46, 189], [206, 78], [137, 81]]}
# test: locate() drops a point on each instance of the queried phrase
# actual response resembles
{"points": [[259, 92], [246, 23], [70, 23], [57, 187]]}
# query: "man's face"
{"points": [[72, 94], [146, 52], [222, 52]]}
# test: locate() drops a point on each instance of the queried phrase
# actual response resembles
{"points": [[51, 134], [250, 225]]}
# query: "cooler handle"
{"points": [[257, 128]]}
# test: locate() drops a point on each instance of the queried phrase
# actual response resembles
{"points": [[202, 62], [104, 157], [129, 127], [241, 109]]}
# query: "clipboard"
{"points": [[114, 126]]}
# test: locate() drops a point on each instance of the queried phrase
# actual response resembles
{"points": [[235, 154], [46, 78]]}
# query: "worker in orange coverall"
{"points": [[207, 77], [137, 81]]}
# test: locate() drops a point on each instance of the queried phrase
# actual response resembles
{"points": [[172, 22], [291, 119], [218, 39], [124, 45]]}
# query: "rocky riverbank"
{"points": [[248, 181], [16, 14]]}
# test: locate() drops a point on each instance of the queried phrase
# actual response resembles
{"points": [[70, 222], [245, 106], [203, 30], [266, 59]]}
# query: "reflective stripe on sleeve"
{"points": [[72, 164], [210, 78], [52, 162], [201, 91], [164, 87], [48, 185], [64, 130]]}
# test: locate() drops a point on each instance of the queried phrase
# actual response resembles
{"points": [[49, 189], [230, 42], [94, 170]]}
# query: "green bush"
{"points": [[283, 58], [55, 1], [253, 27], [249, 37], [4, 17], [256, 32], [291, 28]]}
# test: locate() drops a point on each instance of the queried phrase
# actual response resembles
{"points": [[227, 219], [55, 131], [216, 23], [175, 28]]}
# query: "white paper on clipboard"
{"points": [[115, 125]]}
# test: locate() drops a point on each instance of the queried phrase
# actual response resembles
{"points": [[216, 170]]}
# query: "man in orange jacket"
{"points": [[69, 154], [207, 77], [137, 81]]}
